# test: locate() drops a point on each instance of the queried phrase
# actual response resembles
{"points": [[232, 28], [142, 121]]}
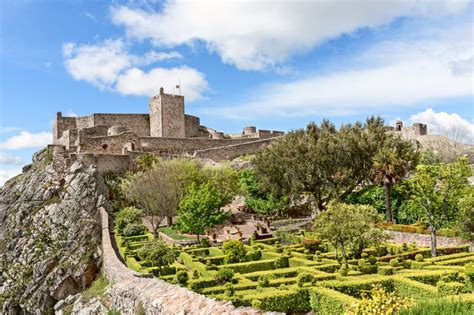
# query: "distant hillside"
{"points": [[446, 148]]}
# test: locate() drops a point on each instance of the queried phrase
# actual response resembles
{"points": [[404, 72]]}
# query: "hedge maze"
{"points": [[306, 276]]}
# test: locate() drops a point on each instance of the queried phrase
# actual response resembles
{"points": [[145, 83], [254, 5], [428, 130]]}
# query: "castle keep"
{"points": [[112, 141]]}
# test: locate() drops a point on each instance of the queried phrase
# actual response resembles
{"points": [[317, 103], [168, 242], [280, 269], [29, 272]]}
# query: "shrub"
{"points": [[254, 255], [450, 288], [379, 300], [128, 215], [182, 277], [311, 245], [224, 275], [372, 260], [364, 255], [343, 271], [286, 301], [264, 281], [157, 253], [205, 242], [282, 262], [304, 278], [327, 301], [405, 247], [394, 262], [385, 270], [195, 274], [134, 230], [229, 289], [419, 258], [469, 271], [234, 251], [382, 250]]}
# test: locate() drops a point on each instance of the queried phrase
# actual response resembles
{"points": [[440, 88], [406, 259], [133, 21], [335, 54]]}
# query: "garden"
{"points": [[322, 218]]}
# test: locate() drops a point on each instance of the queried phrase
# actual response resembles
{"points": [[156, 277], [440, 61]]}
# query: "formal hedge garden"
{"points": [[305, 275]]}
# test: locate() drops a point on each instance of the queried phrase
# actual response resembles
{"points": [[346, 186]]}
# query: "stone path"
{"points": [[424, 240]]}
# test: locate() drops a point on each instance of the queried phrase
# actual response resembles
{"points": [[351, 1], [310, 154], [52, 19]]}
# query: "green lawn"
{"points": [[176, 235]]}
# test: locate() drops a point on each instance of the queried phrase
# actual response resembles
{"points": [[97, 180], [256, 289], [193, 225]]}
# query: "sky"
{"points": [[273, 64]]}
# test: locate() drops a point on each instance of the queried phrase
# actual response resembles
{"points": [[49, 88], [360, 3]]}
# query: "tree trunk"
{"points": [[433, 241], [169, 221], [388, 204], [343, 250], [198, 237]]}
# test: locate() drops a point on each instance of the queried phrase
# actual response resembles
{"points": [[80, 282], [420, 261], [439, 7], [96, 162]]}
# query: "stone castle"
{"points": [[412, 132], [112, 141]]}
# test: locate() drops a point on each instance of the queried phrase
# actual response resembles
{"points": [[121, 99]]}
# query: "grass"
{"points": [[439, 307], [175, 234]]}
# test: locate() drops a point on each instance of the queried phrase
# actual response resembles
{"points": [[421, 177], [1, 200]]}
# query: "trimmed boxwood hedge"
{"points": [[251, 266], [327, 301], [283, 301], [413, 289]]}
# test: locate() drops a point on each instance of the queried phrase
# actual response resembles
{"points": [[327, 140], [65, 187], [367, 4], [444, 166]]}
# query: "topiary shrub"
{"points": [[182, 277], [234, 251], [304, 278], [195, 274], [263, 281], [364, 255], [405, 247], [282, 262], [229, 289], [224, 275], [128, 215], [134, 230], [394, 262], [419, 258], [385, 270], [343, 271], [372, 260], [382, 250], [204, 242]]}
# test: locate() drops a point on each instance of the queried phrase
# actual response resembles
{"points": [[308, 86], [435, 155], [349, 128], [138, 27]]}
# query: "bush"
{"points": [[385, 270], [282, 262], [224, 275], [252, 266], [283, 301], [394, 262], [327, 301], [254, 255], [182, 277], [379, 300], [372, 260], [419, 258], [311, 245], [343, 271], [450, 288], [264, 281], [304, 278], [234, 251], [229, 289], [134, 230], [382, 250], [205, 242], [195, 274], [128, 215]]}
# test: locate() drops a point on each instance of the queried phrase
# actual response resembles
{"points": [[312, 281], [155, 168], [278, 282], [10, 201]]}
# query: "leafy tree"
{"points": [[437, 190], [255, 198], [157, 253], [391, 164], [224, 179], [234, 251], [127, 216], [346, 227], [465, 218], [199, 209], [158, 191], [321, 162]]}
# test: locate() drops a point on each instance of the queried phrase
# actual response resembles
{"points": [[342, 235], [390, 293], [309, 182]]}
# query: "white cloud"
{"points": [[10, 160], [6, 174], [261, 34], [8, 129], [135, 81], [109, 65], [400, 72], [451, 125], [27, 140]]}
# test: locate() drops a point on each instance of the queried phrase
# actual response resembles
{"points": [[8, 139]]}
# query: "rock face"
{"points": [[49, 235]]}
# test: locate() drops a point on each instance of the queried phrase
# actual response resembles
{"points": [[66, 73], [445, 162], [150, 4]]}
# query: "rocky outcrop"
{"points": [[49, 235]]}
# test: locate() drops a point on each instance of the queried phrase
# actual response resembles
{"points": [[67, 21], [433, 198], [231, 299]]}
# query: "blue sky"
{"points": [[273, 64]]}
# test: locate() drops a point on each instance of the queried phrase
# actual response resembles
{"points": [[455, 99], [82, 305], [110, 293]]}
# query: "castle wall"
{"points": [[62, 124], [192, 124], [233, 151], [85, 122], [107, 144], [167, 116], [105, 163], [136, 123]]}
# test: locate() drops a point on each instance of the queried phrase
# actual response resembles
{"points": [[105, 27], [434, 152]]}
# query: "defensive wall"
{"points": [[129, 291]]}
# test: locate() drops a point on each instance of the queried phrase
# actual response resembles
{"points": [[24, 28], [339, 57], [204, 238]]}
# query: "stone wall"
{"points": [[130, 291], [167, 116], [62, 124], [136, 123], [192, 124], [233, 151], [105, 163]]}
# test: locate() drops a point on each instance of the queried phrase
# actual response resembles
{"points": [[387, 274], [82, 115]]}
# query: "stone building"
{"points": [[112, 141]]}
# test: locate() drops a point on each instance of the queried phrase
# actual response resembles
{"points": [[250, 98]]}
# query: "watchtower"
{"points": [[167, 116]]}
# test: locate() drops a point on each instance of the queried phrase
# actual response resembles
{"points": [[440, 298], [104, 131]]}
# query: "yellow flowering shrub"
{"points": [[380, 302]]}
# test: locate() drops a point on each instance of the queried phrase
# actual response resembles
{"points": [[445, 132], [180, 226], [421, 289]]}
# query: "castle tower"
{"points": [[167, 116]]}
